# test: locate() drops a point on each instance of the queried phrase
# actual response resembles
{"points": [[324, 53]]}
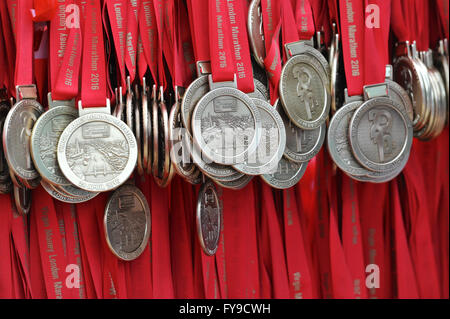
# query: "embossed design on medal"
{"points": [[209, 218], [270, 148], [44, 139], [256, 32], [287, 175], [17, 133], [97, 152], [226, 125], [304, 91], [380, 134], [127, 222], [302, 145], [338, 139]]}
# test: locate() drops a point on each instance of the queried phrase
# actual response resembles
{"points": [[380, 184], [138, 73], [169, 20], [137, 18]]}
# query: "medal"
{"points": [[162, 172], [273, 142], [96, 152], [255, 32], [302, 145], [304, 82], [127, 222], [209, 218], [287, 175]]}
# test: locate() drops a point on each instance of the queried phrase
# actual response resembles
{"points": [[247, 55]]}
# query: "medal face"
{"points": [[22, 199], [97, 152], [339, 143], [127, 222], [226, 126], [44, 142], [195, 91], [302, 145], [16, 137], [380, 134], [256, 32], [287, 175], [304, 92], [271, 146], [209, 218], [63, 197]]}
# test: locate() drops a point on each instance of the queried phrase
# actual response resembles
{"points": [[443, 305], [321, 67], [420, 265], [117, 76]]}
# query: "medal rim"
{"points": [[277, 184]]}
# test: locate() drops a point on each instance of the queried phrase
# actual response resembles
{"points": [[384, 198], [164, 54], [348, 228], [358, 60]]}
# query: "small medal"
{"points": [[209, 218], [127, 222]]}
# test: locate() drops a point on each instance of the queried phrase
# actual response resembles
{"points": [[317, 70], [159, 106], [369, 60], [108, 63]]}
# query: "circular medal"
{"points": [[339, 143], [255, 32], [44, 142], [226, 125], [302, 145], [138, 134], [97, 152], [127, 222], [304, 91], [16, 138], [380, 134], [287, 175], [195, 91], [271, 146], [209, 218]]}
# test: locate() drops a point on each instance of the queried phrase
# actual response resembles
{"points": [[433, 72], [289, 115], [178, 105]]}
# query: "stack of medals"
{"points": [[422, 72], [223, 128], [370, 136]]}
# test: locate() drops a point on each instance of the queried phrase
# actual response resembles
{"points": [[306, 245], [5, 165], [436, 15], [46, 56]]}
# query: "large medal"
{"points": [[97, 152]]}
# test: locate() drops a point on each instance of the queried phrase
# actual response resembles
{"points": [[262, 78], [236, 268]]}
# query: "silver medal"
{"points": [[127, 222], [97, 152], [209, 218], [287, 175], [271, 146], [45, 136], [226, 124]]}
